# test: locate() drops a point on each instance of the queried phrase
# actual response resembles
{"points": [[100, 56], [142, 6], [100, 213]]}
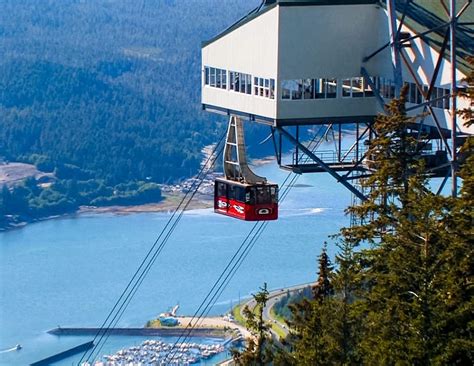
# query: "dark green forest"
{"points": [[109, 89]]}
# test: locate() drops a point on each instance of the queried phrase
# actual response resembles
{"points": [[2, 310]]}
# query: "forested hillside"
{"points": [[105, 94], [109, 86]]}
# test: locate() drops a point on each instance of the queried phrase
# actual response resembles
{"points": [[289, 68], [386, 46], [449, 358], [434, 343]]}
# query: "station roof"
{"points": [[270, 4], [421, 15]]}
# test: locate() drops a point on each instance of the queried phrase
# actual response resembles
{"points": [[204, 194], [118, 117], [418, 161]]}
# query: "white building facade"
{"points": [[300, 62]]}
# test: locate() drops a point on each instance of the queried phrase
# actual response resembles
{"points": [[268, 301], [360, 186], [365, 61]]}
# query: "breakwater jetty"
{"points": [[65, 354], [147, 332]]}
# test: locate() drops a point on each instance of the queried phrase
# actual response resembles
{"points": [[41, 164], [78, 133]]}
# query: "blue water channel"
{"points": [[70, 271]]}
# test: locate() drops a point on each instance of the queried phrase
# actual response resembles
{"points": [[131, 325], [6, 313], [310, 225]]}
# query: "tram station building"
{"points": [[297, 62]]}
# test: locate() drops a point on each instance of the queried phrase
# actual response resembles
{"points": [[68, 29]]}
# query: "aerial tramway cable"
{"points": [[262, 225], [228, 277], [149, 265], [144, 272], [152, 254]]}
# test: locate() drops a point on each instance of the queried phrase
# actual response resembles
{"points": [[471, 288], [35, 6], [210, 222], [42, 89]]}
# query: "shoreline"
{"points": [[172, 196], [168, 204]]}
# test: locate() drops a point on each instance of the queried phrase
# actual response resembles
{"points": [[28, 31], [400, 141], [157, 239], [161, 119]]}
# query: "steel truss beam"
{"points": [[398, 42], [450, 37], [394, 44], [454, 90], [321, 163]]}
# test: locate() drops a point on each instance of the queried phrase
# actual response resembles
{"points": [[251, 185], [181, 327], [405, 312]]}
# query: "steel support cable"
{"points": [[198, 313], [147, 269], [140, 280], [284, 195], [142, 277], [211, 156], [229, 277], [260, 230], [190, 327], [261, 227], [152, 261], [150, 265]]}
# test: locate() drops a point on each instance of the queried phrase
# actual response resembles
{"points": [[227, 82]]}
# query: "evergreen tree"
{"points": [[323, 287], [346, 309], [314, 336], [403, 273], [259, 349], [457, 291]]}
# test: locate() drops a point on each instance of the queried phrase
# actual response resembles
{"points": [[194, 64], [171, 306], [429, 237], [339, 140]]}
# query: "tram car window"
{"points": [[245, 201]]}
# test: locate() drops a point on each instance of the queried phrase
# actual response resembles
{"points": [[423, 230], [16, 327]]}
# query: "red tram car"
{"points": [[249, 202]]}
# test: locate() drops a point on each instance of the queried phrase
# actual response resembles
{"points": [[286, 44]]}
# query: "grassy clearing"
{"points": [[279, 331], [237, 314], [276, 326], [277, 317]]}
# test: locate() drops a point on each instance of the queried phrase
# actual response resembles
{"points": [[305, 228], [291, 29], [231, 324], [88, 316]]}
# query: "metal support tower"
{"points": [[454, 90], [347, 167], [394, 46], [235, 159]]}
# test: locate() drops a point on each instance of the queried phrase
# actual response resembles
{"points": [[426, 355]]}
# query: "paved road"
{"points": [[273, 297]]}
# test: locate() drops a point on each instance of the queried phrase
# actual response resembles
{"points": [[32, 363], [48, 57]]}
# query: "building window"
{"points": [[435, 94], [248, 84], [325, 88], [217, 78], [356, 87], [297, 89], [412, 93], [212, 77], [308, 89], [368, 91], [331, 88], [285, 89], [221, 79], [447, 99], [319, 88], [387, 88], [207, 75], [264, 87], [240, 82], [346, 88], [416, 97]]}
